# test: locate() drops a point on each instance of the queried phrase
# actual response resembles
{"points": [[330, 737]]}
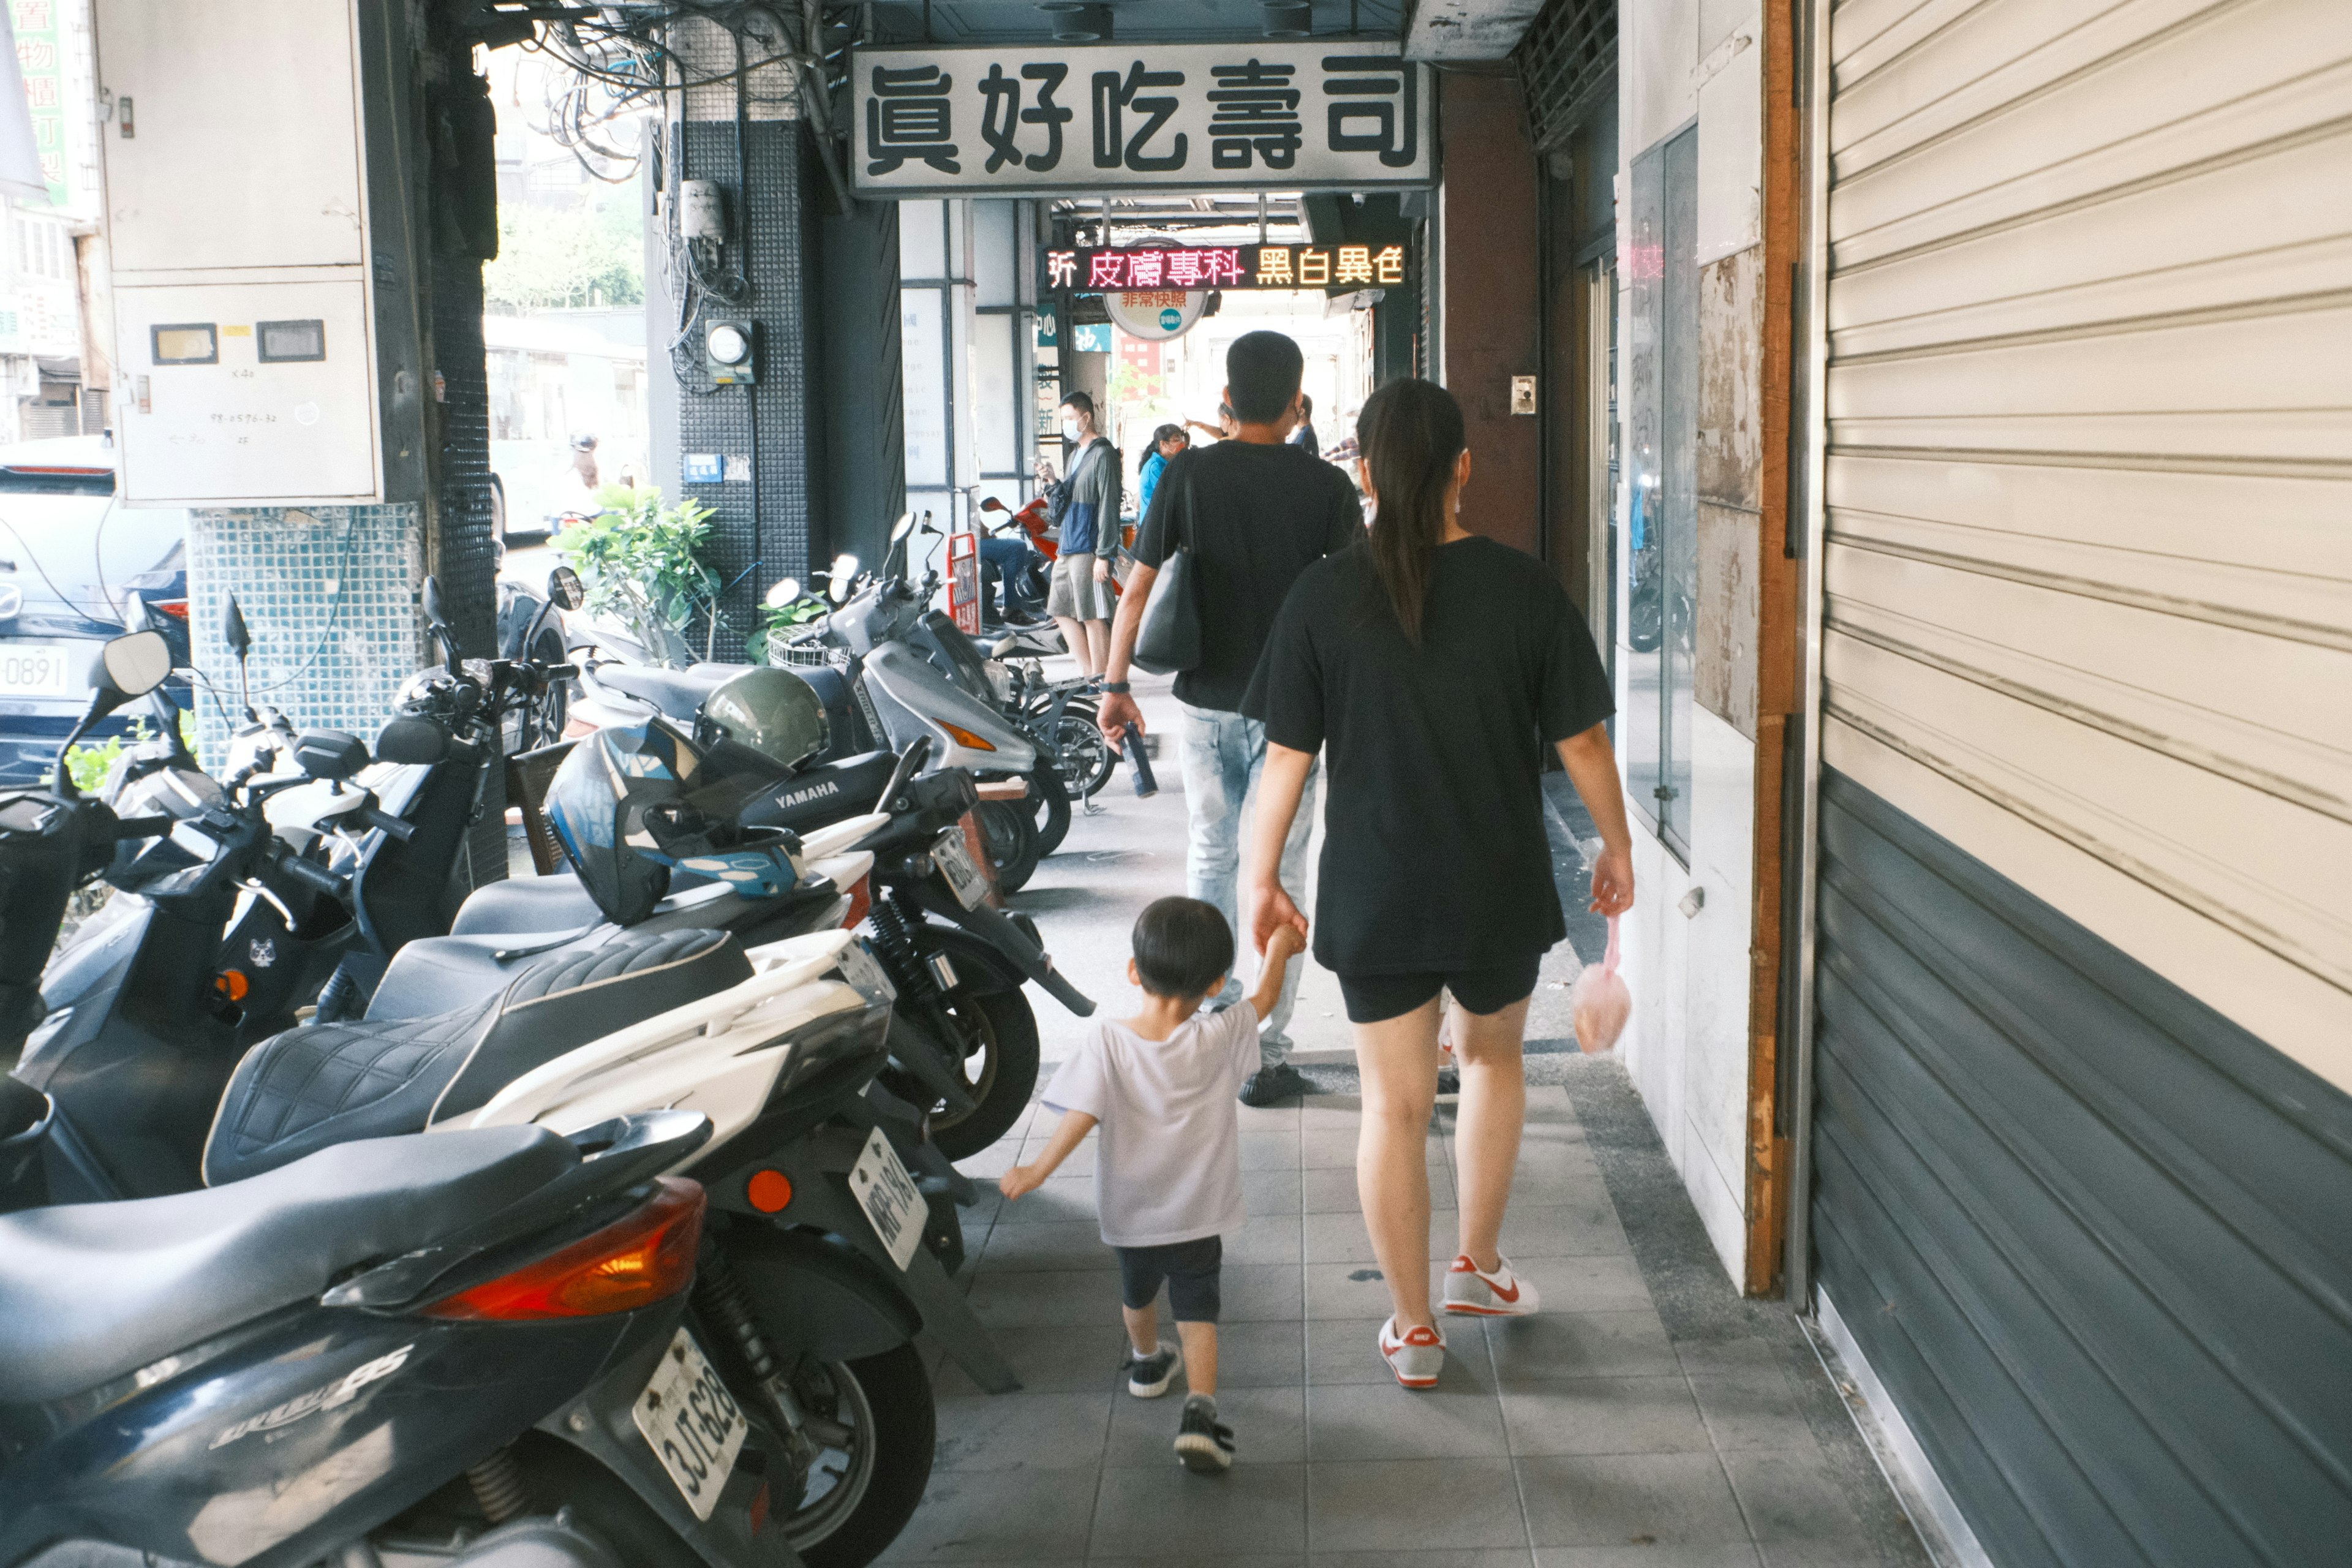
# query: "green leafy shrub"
{"points": [[643, 562]]}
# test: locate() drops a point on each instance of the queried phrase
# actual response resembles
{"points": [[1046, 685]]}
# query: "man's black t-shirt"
{"points": [[1254, 517], [1435, 855]]}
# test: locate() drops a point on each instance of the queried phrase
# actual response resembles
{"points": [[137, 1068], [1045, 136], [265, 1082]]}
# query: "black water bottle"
{"points": [[1146, 786]]}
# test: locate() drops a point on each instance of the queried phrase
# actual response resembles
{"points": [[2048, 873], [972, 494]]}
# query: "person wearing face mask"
{"points": [[1079, 598]]}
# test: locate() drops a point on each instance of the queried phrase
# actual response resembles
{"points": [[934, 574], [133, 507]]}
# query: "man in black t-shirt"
{"points": [[1254, 511]]}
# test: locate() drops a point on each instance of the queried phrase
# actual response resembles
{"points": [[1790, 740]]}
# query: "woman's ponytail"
{"points": [[1410, 435]]}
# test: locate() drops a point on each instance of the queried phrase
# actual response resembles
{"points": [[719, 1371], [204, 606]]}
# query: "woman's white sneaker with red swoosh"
{"points": [[1472, 1292], [1416, 1357]]}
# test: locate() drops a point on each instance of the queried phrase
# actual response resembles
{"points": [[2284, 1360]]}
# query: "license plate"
{"points": [[862, 970], [693, 1423], [38, 668], [889, 1195], [955, 864]]}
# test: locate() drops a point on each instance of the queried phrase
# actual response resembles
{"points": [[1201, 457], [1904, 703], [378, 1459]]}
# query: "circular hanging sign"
{"points": [[1155, 313]]}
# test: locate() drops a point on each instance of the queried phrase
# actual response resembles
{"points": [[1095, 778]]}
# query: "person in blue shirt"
{"points": [[1167, 443]]}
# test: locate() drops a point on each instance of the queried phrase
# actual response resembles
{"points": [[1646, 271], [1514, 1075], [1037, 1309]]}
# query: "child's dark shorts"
{"points": [[1189, 1267]]}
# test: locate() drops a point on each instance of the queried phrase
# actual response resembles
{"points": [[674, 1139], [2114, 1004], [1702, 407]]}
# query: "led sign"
{"points": [[1323, 267]]}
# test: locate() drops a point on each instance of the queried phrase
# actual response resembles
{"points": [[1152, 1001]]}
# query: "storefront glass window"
{"points": [[1661, 464]]}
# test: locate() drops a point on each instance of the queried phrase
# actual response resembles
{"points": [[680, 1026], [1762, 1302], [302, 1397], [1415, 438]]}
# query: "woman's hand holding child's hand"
{"points": [[1286, 942]]}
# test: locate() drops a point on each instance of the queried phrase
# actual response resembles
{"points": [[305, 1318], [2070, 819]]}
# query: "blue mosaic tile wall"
{"points": [[332, 598]]}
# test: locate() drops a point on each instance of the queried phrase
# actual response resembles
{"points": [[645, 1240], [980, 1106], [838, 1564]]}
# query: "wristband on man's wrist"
{"points": [[1115, 688]]}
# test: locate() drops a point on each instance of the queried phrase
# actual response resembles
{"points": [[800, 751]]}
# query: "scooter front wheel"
{"points": [[1009, 831], [1052, 800], [863, 1493], [998, 1033]]}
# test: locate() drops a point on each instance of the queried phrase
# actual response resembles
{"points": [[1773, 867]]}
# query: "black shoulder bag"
{"points": [[1168, 642]]}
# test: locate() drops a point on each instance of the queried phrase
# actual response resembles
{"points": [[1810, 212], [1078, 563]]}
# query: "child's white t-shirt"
{"points": [[1168, 1163]]}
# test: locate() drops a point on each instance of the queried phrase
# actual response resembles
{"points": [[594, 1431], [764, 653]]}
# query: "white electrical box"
{"points": [[237, 230]]}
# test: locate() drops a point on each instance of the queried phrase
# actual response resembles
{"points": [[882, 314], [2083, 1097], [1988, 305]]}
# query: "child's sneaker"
{"points": [[1417, 1357], [1205, 1446], [1148, 1376], [1502, 1294]]}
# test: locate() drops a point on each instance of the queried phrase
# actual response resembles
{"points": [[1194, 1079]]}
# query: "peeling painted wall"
{"points": [[1730, 473]]}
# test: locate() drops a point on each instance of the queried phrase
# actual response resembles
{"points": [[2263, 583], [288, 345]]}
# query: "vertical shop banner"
{"points": [[1336, 114], [40, 55]]}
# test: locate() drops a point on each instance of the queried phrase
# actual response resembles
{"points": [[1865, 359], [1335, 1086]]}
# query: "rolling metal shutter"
{"points": [[2084, 1038]]}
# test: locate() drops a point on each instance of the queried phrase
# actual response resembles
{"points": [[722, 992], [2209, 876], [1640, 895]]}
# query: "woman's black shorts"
{"points": [[1191, 1268], [1488, 989]]}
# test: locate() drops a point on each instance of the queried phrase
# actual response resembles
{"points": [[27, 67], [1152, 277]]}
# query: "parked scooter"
{"points": [[884, 687], [813, 1302], [172, 1381], [458, 1350]]}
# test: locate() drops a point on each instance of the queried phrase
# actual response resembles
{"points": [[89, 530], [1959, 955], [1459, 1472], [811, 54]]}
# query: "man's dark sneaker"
{"points": [[1148, 1376], [1205, 1447], [1272, 1086]]}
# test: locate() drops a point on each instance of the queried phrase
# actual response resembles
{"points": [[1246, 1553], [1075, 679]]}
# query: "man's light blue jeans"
{"points": [[1222, 753]]}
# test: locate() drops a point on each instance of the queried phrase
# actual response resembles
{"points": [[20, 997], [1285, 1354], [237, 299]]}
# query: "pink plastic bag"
{"points": [[1601, 1001]]}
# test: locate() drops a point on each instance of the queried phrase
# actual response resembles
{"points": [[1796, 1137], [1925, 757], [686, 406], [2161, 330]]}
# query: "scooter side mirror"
{"points": [[905, 526], [330, 753], [234, 630], [408, 739], [564, 588], [128, 667], [991, 504], [786, 590], [845, 572], [436, 609], [135, 665]]}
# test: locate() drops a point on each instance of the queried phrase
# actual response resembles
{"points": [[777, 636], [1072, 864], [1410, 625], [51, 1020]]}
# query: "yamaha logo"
{"points": [[793, 797], [12, 600]]}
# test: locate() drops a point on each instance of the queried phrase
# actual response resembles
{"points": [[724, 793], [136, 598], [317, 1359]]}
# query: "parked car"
{"points": [[71, 560]]}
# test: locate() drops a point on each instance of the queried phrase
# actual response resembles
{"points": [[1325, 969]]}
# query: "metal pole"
{"points": [[1105, 241], [1261, 218], [1812, 339]]}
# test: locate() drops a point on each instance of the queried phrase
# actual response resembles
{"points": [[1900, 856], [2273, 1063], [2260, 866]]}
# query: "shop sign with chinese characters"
{"points": [[1339, 114], [1323, 267]]}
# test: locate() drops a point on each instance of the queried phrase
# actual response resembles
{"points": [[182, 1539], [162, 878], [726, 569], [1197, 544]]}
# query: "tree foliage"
{"points": [[555, 257]]}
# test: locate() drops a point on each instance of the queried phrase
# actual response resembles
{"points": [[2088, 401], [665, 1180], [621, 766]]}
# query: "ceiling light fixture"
{"points": [[1288, 18], [1078, 24]]}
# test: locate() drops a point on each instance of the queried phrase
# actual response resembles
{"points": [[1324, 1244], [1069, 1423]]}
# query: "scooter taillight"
{"points": [[644, 1258], [861, 901]]}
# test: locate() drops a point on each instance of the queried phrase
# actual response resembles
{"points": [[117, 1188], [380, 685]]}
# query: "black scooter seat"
{"points": [[92, 1292], [330, 1083], [551, 904], [679, 693]]}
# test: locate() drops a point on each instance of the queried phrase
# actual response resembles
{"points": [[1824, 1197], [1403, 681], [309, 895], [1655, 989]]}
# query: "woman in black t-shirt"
{"points": [[1436, 665]]}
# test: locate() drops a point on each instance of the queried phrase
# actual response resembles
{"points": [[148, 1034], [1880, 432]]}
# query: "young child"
{"points": [[1168, 1177]]}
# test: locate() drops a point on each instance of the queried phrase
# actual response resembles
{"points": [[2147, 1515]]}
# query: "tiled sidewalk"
{"points": [[1586, 1437]]}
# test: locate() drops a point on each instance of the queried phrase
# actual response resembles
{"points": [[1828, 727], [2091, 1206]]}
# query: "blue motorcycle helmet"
{"points": [[633, 803]]}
